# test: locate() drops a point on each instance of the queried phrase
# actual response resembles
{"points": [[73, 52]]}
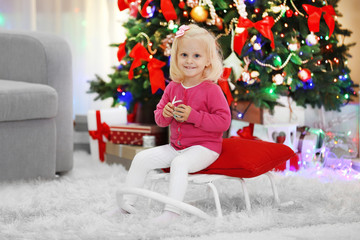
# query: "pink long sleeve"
{"points": [[217, 119], [209, 117]]}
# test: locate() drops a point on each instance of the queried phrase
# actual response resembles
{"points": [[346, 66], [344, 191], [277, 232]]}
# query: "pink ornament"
{"points": [[134, 8]]}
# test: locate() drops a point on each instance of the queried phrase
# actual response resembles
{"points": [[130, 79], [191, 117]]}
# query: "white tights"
{"points": [[182, 162]]}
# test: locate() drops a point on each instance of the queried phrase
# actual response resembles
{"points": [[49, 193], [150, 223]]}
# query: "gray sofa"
{"points": [[36, 123]]}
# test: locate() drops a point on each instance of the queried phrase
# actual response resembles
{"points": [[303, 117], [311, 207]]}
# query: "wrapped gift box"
{"points": [[293, 164], [81, 134], [132, 134], [307, 148], [283, 133], [121, 154], [259, 130], [269, 132], [252, 114], [356, 164], [305, 141], [98, 122], [286, 113]]}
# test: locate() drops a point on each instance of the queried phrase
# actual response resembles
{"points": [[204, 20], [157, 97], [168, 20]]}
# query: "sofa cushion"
{"points": [[24, 101]]}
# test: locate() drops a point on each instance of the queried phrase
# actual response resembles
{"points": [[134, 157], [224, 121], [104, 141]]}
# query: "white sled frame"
{"points": [[202, 179]]}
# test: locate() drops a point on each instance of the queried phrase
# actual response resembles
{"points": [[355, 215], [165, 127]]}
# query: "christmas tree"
{"points": [[291, 48]]}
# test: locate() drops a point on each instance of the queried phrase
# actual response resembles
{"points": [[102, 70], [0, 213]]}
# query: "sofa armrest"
{"points": [[43, 58]]}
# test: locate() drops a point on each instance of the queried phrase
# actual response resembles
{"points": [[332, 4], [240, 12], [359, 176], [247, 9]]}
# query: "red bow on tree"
{"points": [[224, 85], [121, 51], [156, 75], [124, 4], [102, 130], [315, 15], [263, 26], [167, 9]]}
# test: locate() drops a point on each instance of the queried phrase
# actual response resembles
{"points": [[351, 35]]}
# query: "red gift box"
{"points": [[293, 164], [132, 134]]}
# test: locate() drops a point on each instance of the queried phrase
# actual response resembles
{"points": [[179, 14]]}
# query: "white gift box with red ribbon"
{"points": [[307, 147], [99, 130], [283, 133]]}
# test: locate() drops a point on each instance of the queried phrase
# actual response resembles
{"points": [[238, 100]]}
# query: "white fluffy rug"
{"points": [[81, 205]]}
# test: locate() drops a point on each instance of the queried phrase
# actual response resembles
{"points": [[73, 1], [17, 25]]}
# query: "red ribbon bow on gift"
{"points": [[102, 130], [315, 15], [224, 85], [246, 132], [156, 75], [263, 26]]}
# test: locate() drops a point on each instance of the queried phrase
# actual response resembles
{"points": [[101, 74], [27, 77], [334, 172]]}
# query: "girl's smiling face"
{"points": [[192, 60]]}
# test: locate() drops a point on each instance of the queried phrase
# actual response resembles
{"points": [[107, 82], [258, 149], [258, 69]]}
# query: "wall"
{"points": [[350, 19], [89, 26]]}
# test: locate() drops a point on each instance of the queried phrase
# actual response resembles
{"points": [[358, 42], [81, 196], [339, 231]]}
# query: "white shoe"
{"points": [[165, 219], [125, 208]]}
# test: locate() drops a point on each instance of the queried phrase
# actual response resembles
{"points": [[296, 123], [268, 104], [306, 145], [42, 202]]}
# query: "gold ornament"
{"points": [[199, 14]]}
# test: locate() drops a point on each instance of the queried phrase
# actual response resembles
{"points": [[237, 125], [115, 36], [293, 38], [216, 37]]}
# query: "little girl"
{"points": [[196, 110]]}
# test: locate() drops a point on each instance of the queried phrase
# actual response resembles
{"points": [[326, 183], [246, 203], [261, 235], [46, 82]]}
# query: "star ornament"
{"points": [[233, 62]]}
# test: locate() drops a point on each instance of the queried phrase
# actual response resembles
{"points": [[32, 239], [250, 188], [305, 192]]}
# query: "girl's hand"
{"points": [[182, 112], [168, 110]]}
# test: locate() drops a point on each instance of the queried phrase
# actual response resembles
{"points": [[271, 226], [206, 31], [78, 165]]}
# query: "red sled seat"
{"points": [[240, 158], [246, 158]]}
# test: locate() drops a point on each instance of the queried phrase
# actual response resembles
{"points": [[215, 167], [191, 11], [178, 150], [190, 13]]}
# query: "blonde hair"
{"points": [[215, 68]]}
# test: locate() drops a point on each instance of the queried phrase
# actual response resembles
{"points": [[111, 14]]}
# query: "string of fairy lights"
{"points": [[204, 11]]}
